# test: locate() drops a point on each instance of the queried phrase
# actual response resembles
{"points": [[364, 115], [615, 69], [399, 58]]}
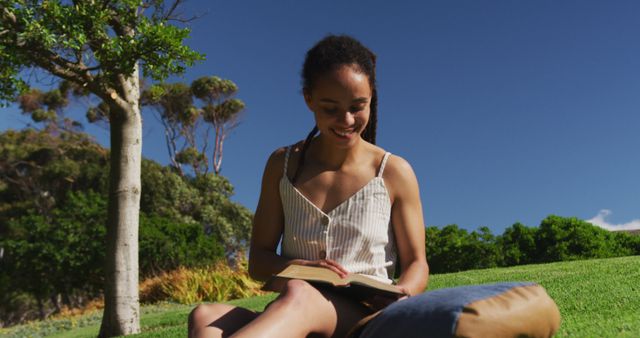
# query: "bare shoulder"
{"points": [[398, 168], [399, 176], [276, 158], [276, 162]]}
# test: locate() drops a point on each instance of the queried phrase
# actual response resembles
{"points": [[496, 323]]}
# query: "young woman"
{"points": [[337, 201]]}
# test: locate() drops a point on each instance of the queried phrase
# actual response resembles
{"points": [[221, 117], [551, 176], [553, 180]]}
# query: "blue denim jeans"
{"points": [[439, 313]]}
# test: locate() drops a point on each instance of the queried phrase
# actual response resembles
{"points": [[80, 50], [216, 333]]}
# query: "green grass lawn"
{"points": [[597, 298]]}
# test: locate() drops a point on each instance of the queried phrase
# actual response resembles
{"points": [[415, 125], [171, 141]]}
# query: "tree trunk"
{"points": [[55, 300], [41, 312], [122, 309], [217, 149]]}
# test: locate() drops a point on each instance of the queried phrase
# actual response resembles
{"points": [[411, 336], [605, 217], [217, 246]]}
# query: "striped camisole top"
{"points": [[357, 233]]}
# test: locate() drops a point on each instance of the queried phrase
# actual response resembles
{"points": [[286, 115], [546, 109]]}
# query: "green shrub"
{"points": [[204, 199], [454, 249], [165, 245], [58, 260], [60, 254], [628, 241], [215, 283], [563, 239], [518, 245]]}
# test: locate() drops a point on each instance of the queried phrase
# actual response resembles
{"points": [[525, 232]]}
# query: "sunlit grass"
{"points": [[597, 298]]}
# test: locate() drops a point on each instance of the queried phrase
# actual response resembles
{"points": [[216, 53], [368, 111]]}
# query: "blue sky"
{"points": [[507, 110]]}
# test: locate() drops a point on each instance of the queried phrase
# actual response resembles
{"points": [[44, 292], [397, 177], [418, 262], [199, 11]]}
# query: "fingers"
{"points": [[336, 267], [331, 265], [327, 264], [405, 291]]}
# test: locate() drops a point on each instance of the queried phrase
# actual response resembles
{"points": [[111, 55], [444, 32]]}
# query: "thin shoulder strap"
{"points": [[384, 162], [286, 161]]}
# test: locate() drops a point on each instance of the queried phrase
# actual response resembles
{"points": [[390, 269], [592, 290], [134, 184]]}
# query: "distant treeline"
{"points": [[451, 248]]}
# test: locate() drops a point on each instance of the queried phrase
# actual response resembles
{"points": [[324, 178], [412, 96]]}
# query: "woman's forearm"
{"points": [[263, 264], [415, 277]]}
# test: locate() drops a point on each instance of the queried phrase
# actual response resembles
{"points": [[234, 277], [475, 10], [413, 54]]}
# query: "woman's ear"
{"points": [[307, 98]]}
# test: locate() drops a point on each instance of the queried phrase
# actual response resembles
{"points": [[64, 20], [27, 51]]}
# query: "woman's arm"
{"points": [[268, 222], [268, 225], [408, 225]]}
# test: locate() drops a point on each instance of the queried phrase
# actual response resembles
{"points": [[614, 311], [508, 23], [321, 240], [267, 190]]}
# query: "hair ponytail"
{"points": [[305, 146], [369, 133]]}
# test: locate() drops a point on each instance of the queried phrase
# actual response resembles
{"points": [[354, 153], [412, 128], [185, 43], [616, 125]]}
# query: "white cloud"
{"points": [[600, 221]]}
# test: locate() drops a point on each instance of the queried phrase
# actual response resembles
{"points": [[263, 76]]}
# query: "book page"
{"points": [[318, 274]]}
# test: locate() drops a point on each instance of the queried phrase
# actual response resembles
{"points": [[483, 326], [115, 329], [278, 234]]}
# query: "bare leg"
{"points": [[301, 310], [218, 320]]}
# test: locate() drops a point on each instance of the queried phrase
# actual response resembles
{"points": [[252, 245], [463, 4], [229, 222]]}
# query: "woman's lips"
{"points": [[343, 133]]}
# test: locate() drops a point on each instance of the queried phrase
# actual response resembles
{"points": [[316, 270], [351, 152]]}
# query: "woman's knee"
{"points": [[204, 314], [300, 295], [296, 288], [215, 320]]}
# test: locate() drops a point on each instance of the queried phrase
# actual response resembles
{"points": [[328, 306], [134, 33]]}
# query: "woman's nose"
{"points": [[347, 118]]}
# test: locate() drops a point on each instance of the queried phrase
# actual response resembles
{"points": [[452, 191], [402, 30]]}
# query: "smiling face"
{"points": [[340, 101]]}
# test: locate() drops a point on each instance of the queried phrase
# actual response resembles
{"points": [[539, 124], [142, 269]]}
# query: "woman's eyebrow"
{"points": [[358, 100], [329, 101]]}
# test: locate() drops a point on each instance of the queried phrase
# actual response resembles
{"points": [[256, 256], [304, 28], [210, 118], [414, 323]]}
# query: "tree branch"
{"points": [[204, 147], [48, 64]]}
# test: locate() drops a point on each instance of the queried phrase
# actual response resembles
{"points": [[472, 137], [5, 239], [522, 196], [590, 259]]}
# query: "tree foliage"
{"points": [[220, 110], [203, 200], [48, 108], [38, 170], [92, 43], [185, 121]]}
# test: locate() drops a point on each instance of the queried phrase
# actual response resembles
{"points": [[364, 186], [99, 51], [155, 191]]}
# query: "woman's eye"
{"points": [[353, 110]]}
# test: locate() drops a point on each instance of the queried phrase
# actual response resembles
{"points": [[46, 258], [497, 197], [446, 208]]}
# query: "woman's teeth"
{"points": [[344, 133]]}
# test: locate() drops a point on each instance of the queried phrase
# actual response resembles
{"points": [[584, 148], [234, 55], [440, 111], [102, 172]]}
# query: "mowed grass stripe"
{"points": [[597, 298]]}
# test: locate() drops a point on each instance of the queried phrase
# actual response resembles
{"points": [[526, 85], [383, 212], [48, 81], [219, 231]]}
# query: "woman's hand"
{"points": [[324, 263], [277, 284], [405, 291]]}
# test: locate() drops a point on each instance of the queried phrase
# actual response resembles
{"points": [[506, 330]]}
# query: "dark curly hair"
{"points": [[327, 55]]}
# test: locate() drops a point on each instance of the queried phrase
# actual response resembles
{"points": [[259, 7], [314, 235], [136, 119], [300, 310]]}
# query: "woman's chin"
{"points": [[345, 141], [341, 141]]}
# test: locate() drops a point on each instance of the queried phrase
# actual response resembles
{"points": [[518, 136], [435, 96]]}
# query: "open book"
{"points": [[357, 285]]}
